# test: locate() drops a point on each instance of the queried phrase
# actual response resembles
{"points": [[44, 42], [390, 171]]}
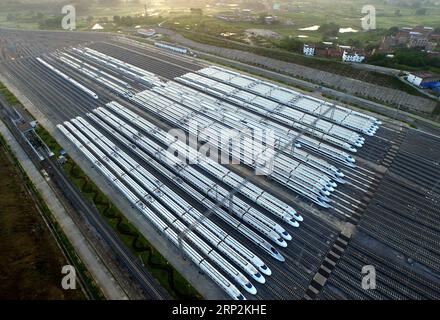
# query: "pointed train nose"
{"points": [[277, 255], [265, 270], [259, 278], [293, 222], [286, 235], [280, 241], [249, 287], [295, 215]]}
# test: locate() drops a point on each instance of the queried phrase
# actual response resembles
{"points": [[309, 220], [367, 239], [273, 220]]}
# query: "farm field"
{"points": [[30, 267]]}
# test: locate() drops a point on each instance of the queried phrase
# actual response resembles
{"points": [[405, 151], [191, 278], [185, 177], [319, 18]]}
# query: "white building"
{"points": [[146, 32], [309, 50], [414, 79], [97, 27], [424, 79], [352, 57]]}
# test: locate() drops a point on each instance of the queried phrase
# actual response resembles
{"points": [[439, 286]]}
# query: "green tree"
{"points": [[379, 59], [420, 12], [329, 29], [393, 31], [354, 43], [51, 23], [196, 11], [262, 17], [290, 44], [416, 4]]}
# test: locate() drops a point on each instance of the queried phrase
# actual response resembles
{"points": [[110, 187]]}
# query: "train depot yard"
{"points": [[346, 189]]}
